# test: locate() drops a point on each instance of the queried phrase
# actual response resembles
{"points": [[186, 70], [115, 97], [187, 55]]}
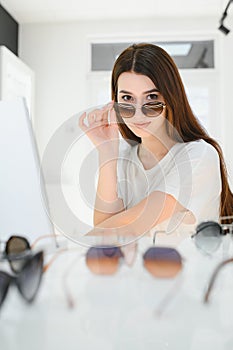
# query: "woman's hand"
{"points": [[102, 129]]}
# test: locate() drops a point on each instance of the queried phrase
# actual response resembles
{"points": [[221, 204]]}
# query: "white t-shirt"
{"points": [[190, 172]]}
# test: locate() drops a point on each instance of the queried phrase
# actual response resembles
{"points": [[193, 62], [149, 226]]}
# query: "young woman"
{"points": [[171, 170]]}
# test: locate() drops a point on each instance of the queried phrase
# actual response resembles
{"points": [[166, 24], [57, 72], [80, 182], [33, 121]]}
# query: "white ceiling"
{"points": [[72, 10]]}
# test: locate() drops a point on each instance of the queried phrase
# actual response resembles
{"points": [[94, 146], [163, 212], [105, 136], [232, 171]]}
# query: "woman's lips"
{"points": [[142, 125]]}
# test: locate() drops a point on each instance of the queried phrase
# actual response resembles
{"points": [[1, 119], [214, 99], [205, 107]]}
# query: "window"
{"points": [[186, 54]]}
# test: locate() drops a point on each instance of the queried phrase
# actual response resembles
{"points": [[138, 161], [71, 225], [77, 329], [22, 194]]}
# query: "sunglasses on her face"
{"points": [[208, 235], [151, 109]]}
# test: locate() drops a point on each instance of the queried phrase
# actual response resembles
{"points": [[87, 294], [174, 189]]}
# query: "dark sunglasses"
{"points": [[17, 245], [151, 109], [27, 279], [208, 235], [13, 246], [159, 261], [27, 266]]}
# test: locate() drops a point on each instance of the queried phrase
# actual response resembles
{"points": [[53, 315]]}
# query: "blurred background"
{"points": [[64, 52]]}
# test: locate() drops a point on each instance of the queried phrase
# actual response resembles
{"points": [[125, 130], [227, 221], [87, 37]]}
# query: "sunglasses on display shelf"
{"points": [[208, 235], [27, 278], [128, 110], [18, 244], [28, 266], [160, 262]]}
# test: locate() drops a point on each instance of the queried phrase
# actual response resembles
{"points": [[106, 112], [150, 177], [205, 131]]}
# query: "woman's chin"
{"points": [[141, 132]]}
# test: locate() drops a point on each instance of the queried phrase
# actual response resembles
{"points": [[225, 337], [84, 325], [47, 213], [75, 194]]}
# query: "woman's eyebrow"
{"points": [[146, 92], [152, 90], [125, 92]]}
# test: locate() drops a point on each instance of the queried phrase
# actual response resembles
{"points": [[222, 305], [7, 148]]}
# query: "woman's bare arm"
{"points": [[107, 202], [152, 210], [100, 126]]}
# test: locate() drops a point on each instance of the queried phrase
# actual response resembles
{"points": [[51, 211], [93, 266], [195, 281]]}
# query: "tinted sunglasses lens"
{"points": [[103, 260], [5, 280], [29, 279], [152, 110], [162, 262], [124, 110], [17, 245], [208, 236]]}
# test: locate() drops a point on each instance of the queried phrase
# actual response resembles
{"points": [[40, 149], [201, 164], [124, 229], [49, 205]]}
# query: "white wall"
{"points": [[58, 53]]}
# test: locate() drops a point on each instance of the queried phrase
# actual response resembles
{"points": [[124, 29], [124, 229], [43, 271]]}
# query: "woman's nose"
{"points": [[138, 116], [138, 112]]}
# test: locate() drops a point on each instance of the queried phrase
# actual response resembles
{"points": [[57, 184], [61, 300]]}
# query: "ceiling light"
{"points": [[222, 28]]}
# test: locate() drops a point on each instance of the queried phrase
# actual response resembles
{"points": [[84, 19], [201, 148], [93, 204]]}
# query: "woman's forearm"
{"points": [[100, 125], [139, 219], [107, 202]]}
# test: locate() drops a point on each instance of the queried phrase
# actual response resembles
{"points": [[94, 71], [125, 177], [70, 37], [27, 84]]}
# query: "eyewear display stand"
{"points": [[126, 310]]}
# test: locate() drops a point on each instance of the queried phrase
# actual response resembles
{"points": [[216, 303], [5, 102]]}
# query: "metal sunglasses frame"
{"points": [[133, 107]]}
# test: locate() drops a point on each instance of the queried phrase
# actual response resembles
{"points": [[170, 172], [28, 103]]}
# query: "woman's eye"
{"points": [[127, 98], [152, 97]]}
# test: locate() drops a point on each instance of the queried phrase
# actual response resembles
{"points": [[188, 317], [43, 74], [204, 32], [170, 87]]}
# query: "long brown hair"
{"points": [[155, 63]]}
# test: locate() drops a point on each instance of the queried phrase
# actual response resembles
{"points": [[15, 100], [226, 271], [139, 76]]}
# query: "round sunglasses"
{"points": [[208, 235], [151, 109], [14, 247]]}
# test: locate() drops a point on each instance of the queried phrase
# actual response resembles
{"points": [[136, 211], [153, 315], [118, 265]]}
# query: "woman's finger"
{"points": [[81, 123], [113, 118], [105, 116], [91, 117], [98, 116], [106, 111]]}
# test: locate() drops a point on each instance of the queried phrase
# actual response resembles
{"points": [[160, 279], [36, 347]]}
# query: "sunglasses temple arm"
{"points": [[213, 279], [46, 266], [43, 237], [69, 297], [154, 235], [68, 294], [169, 296]]}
